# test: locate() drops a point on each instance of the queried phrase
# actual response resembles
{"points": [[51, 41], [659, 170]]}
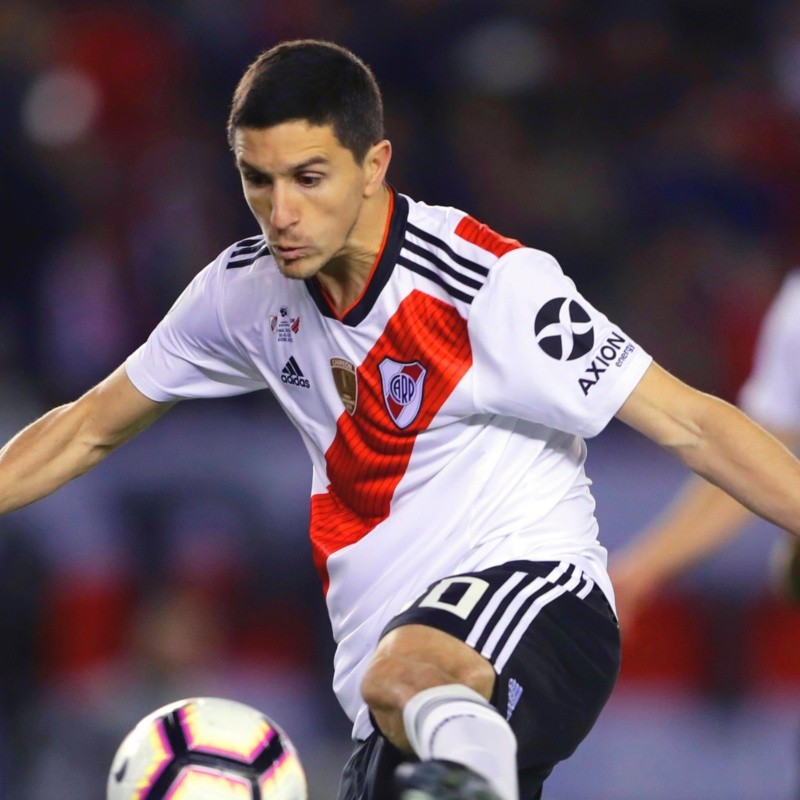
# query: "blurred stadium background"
{"points": [[651, 146]]}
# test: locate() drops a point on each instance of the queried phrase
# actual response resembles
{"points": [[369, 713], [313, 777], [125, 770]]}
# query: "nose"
{"points": [[283, 213]]}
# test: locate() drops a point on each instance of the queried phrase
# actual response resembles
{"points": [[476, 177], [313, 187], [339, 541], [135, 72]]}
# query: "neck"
{"points": [[346, 275]]}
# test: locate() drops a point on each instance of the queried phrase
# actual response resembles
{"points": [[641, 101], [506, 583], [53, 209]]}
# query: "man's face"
{"points": [[304, 188]]}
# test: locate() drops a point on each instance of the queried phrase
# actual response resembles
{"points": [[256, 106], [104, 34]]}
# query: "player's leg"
{"points": [[371, 774], [541, 644], [414, 658], [428, 693]]}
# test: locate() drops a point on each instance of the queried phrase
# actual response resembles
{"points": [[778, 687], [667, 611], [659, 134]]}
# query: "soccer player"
{"points": [[443, 378], [703, 518]]}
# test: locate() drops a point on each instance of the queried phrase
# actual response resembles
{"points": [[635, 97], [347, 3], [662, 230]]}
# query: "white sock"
{"points": [[455, 723]]}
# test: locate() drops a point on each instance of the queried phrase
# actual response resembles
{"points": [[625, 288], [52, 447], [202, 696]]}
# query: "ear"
{"points": [[376, 163]]}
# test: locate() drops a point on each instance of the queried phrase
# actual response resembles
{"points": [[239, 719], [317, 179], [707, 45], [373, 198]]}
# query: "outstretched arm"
{"points": [[70, 439], [700, 520], [721, 444]]}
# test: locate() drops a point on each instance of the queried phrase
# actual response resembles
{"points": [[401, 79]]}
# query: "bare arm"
{"points": [[71, 439], [721, 444], [700, 520]]}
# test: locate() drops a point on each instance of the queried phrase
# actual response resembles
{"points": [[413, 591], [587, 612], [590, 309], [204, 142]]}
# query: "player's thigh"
{"points": [[551, 639], [413, 657]]}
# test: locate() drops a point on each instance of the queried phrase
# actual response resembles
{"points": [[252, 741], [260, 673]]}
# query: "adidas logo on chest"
{"points": [[293, 375]]}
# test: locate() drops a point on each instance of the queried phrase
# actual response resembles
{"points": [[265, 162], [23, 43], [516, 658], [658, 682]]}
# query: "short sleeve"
{"points": [[190, 354], [771, 393], [543, 353]]}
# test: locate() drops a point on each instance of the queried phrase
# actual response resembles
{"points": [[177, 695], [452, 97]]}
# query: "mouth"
{"points": [[291, 253]]}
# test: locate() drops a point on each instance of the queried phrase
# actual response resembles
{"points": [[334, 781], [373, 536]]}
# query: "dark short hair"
{"points": [[319, 82]]}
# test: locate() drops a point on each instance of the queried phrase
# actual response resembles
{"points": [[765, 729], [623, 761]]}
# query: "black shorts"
{"points": [[553, 641]]}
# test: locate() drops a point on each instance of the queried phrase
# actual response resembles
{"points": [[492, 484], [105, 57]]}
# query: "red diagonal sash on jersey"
{"points": [[369, 454]]}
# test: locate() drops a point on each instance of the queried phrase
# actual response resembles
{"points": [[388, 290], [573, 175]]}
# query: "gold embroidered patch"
{"points": [[344, 376]]}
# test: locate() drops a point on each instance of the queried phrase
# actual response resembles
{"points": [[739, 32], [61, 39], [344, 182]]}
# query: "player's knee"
{"points": [[390, 682]]}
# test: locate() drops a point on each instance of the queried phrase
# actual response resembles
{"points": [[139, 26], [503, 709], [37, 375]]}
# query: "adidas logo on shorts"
{"points": [[293, 375], [514, 695]]}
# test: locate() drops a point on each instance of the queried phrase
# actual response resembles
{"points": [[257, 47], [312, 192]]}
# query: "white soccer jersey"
{"points": [[443, 412], [771, 393]]}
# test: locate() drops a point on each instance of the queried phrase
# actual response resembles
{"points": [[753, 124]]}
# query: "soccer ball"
{"points": [[206, 748]]}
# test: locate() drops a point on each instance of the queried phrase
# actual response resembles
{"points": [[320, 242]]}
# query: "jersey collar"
{"points": [[381, 272]]}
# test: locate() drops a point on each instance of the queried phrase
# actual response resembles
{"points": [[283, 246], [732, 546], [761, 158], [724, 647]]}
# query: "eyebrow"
{"points": [[303, 165]]}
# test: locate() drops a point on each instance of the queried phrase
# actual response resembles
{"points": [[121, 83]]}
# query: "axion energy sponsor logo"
{"points": [[563, 329], [612, 353]]}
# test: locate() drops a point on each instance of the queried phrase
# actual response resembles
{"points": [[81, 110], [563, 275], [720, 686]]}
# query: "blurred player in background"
{"points": [[703, 518], [443, 378]]}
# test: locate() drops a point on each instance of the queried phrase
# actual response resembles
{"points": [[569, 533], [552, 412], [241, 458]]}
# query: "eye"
{"points": [[309, 179], [255, 179]]}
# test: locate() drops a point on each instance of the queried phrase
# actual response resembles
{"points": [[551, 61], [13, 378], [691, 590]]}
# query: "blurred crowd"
{"points": [[653, 146]]}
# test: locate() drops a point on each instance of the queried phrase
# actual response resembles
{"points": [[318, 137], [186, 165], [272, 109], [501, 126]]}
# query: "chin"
{"points": [[300, 269]]}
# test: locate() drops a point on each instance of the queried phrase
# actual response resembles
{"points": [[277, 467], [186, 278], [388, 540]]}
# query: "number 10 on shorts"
{"points": [[474, 589]]}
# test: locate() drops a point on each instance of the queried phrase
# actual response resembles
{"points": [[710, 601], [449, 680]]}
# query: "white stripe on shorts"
{"points": [[491, 607], [584, 593], [527, 618], [513, 607]]}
